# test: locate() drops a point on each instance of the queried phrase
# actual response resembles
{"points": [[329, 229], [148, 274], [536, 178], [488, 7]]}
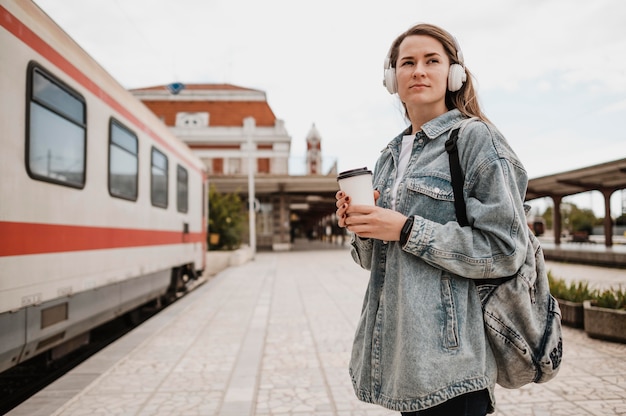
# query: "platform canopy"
{"points": [[605, 177]]}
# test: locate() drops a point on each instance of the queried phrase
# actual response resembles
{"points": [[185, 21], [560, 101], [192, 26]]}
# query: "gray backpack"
{"points": [[522, 319]]}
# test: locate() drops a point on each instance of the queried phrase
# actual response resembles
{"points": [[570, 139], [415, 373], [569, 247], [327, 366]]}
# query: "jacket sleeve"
{"points": [[362, 251], [495, 243]]}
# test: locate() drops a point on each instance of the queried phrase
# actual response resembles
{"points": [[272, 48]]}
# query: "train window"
{"points": [[56, 137], [158, 193], [182, 186], [123, 161]]}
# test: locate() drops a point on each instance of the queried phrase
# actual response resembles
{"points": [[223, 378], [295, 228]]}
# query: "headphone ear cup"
{"points": [[390, 80], [456, 77]]}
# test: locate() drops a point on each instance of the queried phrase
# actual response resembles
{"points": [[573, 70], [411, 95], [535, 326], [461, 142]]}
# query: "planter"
{"points": [[572, 313], [603, 323]]}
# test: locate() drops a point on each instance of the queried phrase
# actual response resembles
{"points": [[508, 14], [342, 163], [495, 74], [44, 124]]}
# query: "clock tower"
{"points": [[313, 152]]}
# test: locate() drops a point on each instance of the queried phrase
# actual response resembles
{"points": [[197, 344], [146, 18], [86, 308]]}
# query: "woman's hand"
{"points": [[369, 221], [342, 203]]}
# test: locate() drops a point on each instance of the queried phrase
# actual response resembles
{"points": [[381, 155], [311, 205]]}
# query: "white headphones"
{"points": [[456, 76]]}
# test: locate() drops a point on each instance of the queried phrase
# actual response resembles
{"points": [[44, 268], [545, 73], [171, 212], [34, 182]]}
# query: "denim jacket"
{"points": [[420, 339]]}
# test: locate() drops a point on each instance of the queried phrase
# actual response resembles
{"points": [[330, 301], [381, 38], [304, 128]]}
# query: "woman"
{"points": [[420, 346]]}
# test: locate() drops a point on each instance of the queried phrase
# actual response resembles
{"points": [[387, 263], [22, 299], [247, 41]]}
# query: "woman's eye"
{"points": [[407, 63]]}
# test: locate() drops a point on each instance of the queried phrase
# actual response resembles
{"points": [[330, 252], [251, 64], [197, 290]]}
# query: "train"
{"points": [[102, 208]]}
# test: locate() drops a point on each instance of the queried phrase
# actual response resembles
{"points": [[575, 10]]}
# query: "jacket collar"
{"points": [[434, 128]]}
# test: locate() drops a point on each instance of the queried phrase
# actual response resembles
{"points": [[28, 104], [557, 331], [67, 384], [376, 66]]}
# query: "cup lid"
{"points": [[353, 172]]}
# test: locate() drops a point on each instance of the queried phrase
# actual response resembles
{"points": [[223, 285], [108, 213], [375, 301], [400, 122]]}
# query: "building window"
{"points": [[218, 166], [56, 139], [263, 165], [234, 166], [123, 162], [192, 119], [182, 189], [158, 193]]}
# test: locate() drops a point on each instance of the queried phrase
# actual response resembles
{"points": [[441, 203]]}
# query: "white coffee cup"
{"points": [[357, 184]]}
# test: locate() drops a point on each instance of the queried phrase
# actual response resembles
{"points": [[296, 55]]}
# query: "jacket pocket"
{"points": [[427, 196], [450, 329]]}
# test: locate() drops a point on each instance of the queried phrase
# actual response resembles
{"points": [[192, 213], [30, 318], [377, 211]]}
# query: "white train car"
{"points": [[102, 209]]}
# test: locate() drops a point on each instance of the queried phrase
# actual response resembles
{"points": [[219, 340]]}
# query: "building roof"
{"points": [[228, 105], [221, 113], [610, 176], [198, 87]]}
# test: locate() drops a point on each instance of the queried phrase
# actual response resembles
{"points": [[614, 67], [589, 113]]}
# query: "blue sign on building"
{"points": [[176, 87]]}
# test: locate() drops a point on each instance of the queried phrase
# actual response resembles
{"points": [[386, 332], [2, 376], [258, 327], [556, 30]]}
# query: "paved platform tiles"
{"points": [[273, 337]]}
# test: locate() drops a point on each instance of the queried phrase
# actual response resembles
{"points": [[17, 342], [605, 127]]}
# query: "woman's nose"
{"points": [[418, 70]]}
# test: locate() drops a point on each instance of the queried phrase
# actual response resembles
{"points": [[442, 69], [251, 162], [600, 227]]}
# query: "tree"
{"points": [[225, 219], [548, 217], [572, 218], [582, 219]]}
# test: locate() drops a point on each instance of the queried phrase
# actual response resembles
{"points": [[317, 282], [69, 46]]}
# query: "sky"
{"points": [[551, 74]]}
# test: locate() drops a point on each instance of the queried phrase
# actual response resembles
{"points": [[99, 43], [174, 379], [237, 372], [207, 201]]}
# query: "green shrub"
{"points": [[611, 299], [576, 292], [226, 218]]}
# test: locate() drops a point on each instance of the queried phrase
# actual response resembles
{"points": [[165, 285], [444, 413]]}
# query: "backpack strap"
{"points": [[457, 177]]}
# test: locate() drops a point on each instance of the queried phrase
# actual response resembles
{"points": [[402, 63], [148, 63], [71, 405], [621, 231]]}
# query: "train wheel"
{"points": [[133, 318], [178, 285]]}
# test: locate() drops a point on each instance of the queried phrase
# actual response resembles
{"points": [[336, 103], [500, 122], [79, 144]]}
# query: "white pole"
{"points": [[251, 196]]}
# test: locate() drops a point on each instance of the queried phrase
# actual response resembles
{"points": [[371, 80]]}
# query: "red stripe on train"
{"points": [[19, 238]]}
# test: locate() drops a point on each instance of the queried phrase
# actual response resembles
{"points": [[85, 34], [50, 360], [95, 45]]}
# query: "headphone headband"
{"points": [[459, 53]]}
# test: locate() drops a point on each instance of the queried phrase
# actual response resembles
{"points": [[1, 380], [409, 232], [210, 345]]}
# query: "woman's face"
{"points": [[422, 73]]}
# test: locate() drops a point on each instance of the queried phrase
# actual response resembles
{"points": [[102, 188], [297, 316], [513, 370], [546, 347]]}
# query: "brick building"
{"points": [[223, 124]]}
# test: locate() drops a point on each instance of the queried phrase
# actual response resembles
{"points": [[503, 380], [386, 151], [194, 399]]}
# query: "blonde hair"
{"points": [[464, 99]]}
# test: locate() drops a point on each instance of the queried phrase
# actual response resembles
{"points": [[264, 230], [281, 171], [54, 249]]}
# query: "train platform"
{"points": [[272, 337], [591, 250]]}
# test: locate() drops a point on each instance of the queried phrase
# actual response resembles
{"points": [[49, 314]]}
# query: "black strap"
{"points": [[457, 178], [494, 281]]}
